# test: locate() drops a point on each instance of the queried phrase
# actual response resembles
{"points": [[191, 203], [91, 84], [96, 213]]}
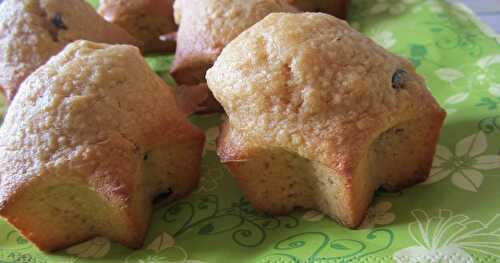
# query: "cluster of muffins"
{"points": [[316, 115]]}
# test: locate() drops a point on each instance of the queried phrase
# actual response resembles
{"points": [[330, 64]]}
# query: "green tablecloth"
{"points": [[453, 217]]}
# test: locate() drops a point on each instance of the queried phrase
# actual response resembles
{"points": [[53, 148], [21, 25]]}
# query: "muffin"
{"points": [[196, 99], [146, 20], [320, 117], [31, 31], [92, 137], [205, 27]]}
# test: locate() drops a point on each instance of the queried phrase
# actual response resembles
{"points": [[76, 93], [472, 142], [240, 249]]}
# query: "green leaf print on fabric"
{"points": [[247, 227], [319, 247]]}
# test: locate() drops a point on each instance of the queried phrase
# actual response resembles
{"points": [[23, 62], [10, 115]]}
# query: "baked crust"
{"points": [[205, 27], [91, 138], [329, 103], [146, 20], [31, 31]]}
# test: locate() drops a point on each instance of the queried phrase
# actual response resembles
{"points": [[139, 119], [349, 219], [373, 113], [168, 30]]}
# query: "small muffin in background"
{"points": [[205, 27], [31, 31], [320, 117], [337, 8], [146, 20], [91, 139]]}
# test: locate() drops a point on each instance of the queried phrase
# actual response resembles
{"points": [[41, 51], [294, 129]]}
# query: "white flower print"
{"points": [[495, 90], [435, 7], [152, 259], [457, 98], [449, 238], [482, 77], [384, 38], [162, 242], [162, 248], [488, 61], [449, 74], [486, 75], [378, 214], [451, 111], [210, 179], [465, 164], [95, 248], [313, 216], [69, 260], [394, 7]]}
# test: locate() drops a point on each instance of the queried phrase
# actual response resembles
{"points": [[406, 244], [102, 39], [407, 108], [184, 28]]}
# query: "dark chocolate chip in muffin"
{"points": [[57, 21], [56, 24], [399, 78]]}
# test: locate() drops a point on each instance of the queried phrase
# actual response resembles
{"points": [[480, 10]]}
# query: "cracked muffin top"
{"points": [[310, 84], [31, 31]]}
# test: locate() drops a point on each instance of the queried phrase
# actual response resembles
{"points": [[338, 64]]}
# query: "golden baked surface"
{"points": [[31, 31], [206, 27], [146, 20], [310, 84], [95, 118], [320, 117]]}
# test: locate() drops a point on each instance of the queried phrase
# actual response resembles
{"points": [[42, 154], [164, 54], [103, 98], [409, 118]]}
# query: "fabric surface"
{"points": [[453, 217], [487, 10]]}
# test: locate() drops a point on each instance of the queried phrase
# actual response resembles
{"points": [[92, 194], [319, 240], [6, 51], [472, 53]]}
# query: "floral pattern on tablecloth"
{"points": [[452, 217]]}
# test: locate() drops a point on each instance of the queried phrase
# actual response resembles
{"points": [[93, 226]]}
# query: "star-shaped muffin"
{"points": [[320, 116], [92, 137], [31, 31]]}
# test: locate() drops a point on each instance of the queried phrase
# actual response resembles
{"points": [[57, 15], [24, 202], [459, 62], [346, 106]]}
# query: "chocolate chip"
{"points": [[57, 21], [146, 157], [399, 78]]}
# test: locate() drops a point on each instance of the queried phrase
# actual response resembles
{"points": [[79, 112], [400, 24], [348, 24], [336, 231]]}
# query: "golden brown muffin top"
{"points": [[92, 112], [118, 9], [205, 27], [31, 31], [146, 20], [310, 84]]}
